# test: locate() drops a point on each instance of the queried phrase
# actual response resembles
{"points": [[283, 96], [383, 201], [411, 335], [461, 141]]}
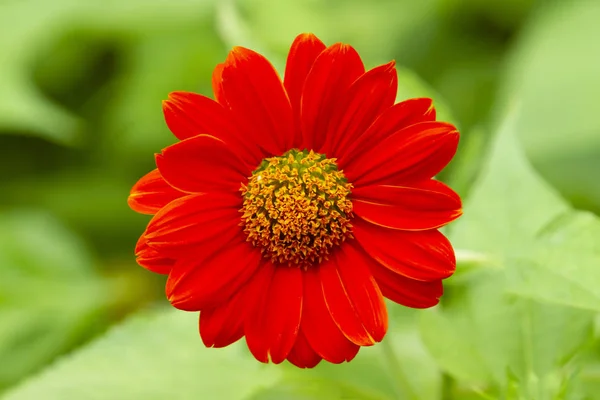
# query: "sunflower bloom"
{"points": [[288, 210]]}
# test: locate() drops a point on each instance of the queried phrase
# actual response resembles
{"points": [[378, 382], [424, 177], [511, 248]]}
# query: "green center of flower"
{"points": [[297, 208]]}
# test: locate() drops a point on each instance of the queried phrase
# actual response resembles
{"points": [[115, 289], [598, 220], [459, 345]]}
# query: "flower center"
{"points": [[296, 208]]}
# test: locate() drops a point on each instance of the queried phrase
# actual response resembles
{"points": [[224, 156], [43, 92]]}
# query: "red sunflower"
{"points": [[289, 210]]}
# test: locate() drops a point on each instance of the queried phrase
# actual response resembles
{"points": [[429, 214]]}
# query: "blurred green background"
{"points": [[81, 84]]}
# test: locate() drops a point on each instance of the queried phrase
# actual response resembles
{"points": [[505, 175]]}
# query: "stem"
{"points": [[400, 380], [483, 394], [532, 383], [471, 257]]}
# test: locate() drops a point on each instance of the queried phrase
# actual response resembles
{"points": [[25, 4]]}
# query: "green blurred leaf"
{"points": [[398, 368], [553, 70], [89, 201], [443, 334], [366, 377], [509, 202], [589, 379], [50, 296], [159, 64], [489, 328], [562, 266], [408, 361], [487, 332], [502, 12], [369, 26], [131, 362], [303, 390], [156, 355], [22, 106], [30, 27], [550, 252]]}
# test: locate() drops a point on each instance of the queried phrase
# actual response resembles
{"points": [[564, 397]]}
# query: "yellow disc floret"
{"points": [[297, 208]]}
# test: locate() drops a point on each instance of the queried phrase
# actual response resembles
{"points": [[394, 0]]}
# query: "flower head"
{"points": [[289, 209]]}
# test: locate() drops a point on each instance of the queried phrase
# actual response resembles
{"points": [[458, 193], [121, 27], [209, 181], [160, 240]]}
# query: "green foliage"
{"points": [[379, 372], [156, 355], [553, 73], [80, 89], [562, 266], [509, 202], [50, 296], [31, 26], [491, 326]]}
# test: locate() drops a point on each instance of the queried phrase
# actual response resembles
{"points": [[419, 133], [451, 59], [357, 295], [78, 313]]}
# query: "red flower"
{"points": [[289, 210]]}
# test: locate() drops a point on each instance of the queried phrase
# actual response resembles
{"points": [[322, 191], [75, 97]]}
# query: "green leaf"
{"points": [[397, 368], [444, 335], [550, 252], [159, 64], [553, 71], [30, 27], [366, 377], [23, 107], [99, 196], [487, 332], [556, 48], [490, 325], [589, 379], [159, 354], [415, 373], [306, 389], [367, 25], [509, 204], [50, 296], [562, 266], [155, 355]]}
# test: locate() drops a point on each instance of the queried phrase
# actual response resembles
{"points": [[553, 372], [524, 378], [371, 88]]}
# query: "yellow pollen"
{"points": [[297, 208]]}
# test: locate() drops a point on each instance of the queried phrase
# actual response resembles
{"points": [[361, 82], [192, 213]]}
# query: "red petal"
{"points": [[217, 84], [318, 326], [277, 320], [257, 296], [412, 154], [224, 324], [190, 114], [427, 205], [362, 290], [393, 119], [302, 355], [367, 98], [353, 298], [302, 55], [194, 221], [405, 291], [332, 74], [423, 255], [207, 280], [258, 100], [151, 259], [202, 164], [151, 193]]}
